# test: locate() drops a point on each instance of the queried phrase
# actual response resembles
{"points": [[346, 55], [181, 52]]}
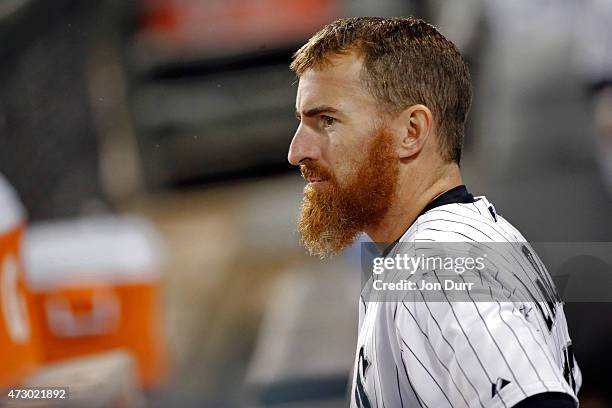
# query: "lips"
{"points": [[314, 174]]}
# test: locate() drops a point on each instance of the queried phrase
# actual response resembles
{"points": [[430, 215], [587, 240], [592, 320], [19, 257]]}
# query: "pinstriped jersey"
{"points": [[417, 353]]}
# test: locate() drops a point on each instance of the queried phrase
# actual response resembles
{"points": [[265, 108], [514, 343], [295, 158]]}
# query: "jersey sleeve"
{"points": [[474, 354]]}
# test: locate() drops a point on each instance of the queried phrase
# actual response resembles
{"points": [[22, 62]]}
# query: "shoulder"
{"points": [[477, 221]]}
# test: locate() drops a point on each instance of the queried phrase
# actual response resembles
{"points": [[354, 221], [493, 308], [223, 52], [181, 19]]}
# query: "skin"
{"points": [[338, 117]]}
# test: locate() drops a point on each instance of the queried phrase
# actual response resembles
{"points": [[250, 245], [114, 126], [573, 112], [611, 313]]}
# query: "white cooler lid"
{"points": [[12, 211], [113, 249]]}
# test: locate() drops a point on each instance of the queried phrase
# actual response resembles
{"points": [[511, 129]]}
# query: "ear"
{"points": [[416, 125]]}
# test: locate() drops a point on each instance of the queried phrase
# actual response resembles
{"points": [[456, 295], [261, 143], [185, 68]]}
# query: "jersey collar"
{"points": [[455, 195], [459, 194]]}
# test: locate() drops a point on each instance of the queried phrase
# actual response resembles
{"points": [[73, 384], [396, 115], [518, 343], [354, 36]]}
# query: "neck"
{"points": [[410, 201]]}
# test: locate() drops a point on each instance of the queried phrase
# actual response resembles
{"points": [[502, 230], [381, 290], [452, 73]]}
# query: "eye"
{"points": [[327, 121]]}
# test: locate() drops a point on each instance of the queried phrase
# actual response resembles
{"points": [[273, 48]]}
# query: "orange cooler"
{"points": [[96, 285], [18, 348]]}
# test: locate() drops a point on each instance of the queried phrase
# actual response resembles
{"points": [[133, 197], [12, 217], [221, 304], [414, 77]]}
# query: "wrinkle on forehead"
{"points": [[339, 83], [345, 70]]}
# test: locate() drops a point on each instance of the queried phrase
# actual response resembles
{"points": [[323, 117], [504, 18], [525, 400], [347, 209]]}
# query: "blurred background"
{"points": [[147, 212]]}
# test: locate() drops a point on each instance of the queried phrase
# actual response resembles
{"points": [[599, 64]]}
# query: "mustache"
{"points": [[314, 171]]}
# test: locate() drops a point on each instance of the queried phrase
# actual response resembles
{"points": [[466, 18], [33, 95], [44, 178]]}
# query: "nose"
{"points": [[303, 146]]}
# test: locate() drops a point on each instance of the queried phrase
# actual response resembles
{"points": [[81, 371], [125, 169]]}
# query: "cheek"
{"points": [[345, 159]]}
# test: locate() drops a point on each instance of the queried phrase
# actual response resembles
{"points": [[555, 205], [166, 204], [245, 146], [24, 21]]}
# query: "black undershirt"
{"points": [[455, 195], [547, 400]]}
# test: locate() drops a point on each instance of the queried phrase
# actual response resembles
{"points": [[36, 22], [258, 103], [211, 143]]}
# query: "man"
{"points": [[381, 104]]}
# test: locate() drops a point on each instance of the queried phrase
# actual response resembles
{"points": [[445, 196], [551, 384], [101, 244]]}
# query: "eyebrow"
{"points": [[316, 111]]}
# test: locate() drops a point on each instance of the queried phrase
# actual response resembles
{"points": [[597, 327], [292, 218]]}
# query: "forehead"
{"points": [[338, 85]]}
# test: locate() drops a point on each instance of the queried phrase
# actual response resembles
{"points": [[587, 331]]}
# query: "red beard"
{"points": [[334, 214]]}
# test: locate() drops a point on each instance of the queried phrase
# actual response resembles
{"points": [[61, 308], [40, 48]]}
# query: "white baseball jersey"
{"points": [[463, 354]]}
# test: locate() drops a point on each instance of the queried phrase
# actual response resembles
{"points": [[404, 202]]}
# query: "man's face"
{"points": [[345, 153]]}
